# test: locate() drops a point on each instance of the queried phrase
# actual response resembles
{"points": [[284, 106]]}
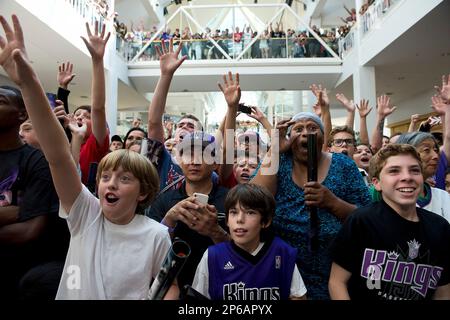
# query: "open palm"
{"points": [[96, 43], [363, 108], [65, 74], [321, 94], [231, 89], [14, 42], [348, 104], [168, 59]]}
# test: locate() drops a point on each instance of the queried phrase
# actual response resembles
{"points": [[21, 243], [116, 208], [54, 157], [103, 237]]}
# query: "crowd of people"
{"points": [[314, 213], [273, 42]]}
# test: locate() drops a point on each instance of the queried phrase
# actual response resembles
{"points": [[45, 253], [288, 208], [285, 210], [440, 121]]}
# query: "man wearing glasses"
{"points": [[342, 140]]}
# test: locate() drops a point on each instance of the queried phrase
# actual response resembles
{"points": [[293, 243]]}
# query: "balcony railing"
{"points": [[283, 34], [90, 10], [375, 13], [347, 43]]}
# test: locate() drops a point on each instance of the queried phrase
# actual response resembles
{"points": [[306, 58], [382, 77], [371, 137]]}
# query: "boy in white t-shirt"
{"points": [[114, 253]]}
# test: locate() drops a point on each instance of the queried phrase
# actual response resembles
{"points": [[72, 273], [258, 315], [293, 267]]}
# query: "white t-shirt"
{"points": [[201, 278], [440, 203], [106, 260]]}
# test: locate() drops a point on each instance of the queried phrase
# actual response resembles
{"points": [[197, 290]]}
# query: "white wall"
{"points": [[419, 103]]}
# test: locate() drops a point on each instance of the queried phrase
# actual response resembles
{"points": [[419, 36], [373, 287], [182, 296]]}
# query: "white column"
{"points": [[297, 101], [112, 96], [310, 101], [364, 87]]}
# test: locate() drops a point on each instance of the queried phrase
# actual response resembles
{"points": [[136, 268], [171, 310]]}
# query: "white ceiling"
{"points": [[416, 61]]}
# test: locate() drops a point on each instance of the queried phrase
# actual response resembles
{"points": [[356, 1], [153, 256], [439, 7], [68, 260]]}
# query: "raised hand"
{"points": [[317, 110], [415, 118], [256, 114], [13, 57], [384, 108], [96, 43], [169, 125], [75, 128], [363, 108], [65, 74], [284, 143], [439, 105], [61, 114], [348, 104], [444, 91], [231, 89], [168, 60], [321, 95]]}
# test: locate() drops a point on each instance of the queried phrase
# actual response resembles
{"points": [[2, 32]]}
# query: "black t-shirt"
{"points": [[26, 182], [391, 258]]}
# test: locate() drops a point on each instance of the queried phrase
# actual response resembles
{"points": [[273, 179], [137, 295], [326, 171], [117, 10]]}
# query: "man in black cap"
{"points": [[199, 224], [116, 143]]}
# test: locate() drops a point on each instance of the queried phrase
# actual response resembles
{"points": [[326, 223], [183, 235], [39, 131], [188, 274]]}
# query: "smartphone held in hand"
{"points": [[201, 198], [52, 99], [244, 109]]}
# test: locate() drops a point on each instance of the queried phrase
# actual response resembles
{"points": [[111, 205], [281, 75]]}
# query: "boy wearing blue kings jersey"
{"points": [[254, 265]]}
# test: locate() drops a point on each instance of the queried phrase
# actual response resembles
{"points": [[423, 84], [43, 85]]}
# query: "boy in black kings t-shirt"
{"points": [[392, 250]]}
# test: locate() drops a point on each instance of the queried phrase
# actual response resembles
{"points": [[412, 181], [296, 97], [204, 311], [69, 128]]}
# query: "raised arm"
{"points": [[78, 136], [323, 104], [168, 63], [96, 44], [348, 11], [413, 124], [65, 76], [444, 94], [383, 110], [258, 115], [51, 136], [232, 93], [443, 109], [267, 176], [350, 107], [364, 110]]}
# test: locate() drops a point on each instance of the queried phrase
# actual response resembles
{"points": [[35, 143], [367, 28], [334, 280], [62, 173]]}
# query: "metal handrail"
{"points": [[183, 10]]}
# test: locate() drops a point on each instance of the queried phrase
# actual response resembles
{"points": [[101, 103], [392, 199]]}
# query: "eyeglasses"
{"points": [[340, 142]]}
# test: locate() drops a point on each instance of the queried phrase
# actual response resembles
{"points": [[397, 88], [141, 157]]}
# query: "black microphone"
{"points": [[173, 263], [313, 234], [91, 183]]}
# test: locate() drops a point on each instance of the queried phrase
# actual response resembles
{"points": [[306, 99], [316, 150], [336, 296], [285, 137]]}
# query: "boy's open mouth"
{"points": [[111, 198]]}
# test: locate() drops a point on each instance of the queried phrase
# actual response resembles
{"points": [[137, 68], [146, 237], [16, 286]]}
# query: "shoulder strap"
{"points": [[171, 185]]}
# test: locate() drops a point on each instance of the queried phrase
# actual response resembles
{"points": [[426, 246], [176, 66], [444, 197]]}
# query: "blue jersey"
{"points": [[233, 277]]}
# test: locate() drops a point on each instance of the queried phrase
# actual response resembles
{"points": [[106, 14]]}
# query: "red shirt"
{"points": [[91, 152], [229, 182], [237, 36]]}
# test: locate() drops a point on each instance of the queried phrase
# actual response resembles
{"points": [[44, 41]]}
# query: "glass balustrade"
{"points": [[375, 13], [232, 32], [347, 43], [91, 10]]}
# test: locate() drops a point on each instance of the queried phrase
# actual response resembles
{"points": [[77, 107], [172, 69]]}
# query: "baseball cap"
{"points": [[116, 138], [309, 116]]}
